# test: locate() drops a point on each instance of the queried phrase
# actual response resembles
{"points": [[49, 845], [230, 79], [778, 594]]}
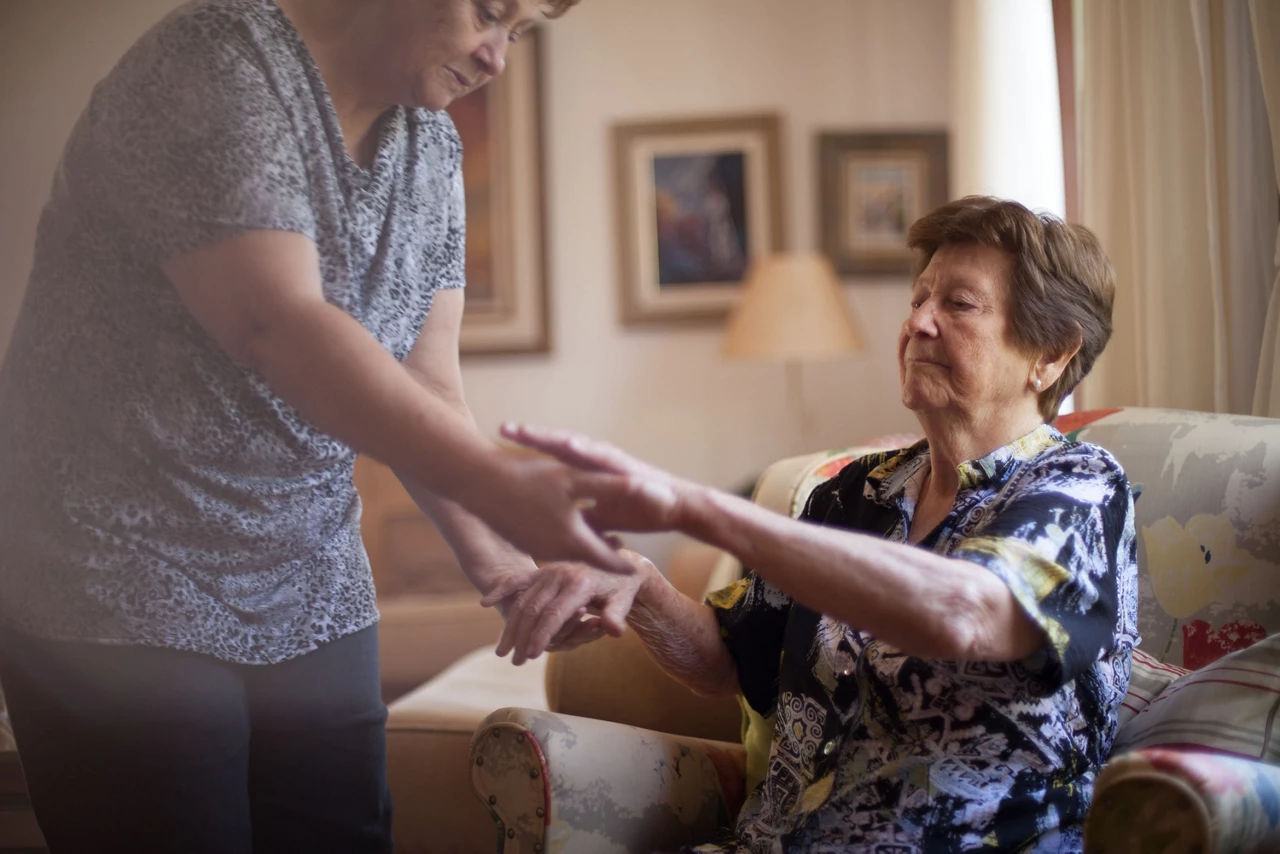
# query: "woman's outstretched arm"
{"points": [[923, 603]]}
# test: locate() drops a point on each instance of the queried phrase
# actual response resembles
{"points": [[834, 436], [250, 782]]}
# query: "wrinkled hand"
{"points": [[564, 605], [538, 505], [619, 492]]}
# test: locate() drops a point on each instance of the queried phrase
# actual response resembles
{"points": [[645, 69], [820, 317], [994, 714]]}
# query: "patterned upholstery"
{"points": [[1227, 706], [1167, 801], [1209, 557], [634, 790], [1208, 525]]}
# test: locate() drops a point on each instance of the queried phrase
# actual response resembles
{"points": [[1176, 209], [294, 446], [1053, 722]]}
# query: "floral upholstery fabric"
{"points": [[564, 783], [1208, 525]]}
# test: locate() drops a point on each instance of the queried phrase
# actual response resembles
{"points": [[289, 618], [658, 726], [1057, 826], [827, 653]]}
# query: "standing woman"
{"points": [[250, 267]]}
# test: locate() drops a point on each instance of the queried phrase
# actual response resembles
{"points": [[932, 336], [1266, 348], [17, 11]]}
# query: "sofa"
{"points": [[617, 765]]}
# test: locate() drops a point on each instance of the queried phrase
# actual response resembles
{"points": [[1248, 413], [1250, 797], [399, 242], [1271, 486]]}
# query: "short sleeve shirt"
{"points": [[875, 750], [152, 489]]}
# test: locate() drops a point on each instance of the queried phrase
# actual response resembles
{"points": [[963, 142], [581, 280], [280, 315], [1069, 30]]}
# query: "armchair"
{"points": [[1194, 766]]}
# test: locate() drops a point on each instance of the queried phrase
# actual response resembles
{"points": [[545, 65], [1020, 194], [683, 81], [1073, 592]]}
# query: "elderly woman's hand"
{"points": [[616, 491], [564, 605]]}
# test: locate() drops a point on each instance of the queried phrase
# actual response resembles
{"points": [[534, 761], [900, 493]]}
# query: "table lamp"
{"points": [[791, 309]]}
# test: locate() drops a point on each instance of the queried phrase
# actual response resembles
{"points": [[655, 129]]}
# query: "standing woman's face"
{"points": [[435, 51]]}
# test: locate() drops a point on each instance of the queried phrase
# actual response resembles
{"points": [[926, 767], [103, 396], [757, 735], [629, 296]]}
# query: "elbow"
{"points": [[723, 683], [956, 635], [252, 340], [988, 624], [715, 676], [250, 346]]}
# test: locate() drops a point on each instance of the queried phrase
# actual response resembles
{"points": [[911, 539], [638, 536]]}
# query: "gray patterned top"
{"points": [[875, 750], [152, 490]]}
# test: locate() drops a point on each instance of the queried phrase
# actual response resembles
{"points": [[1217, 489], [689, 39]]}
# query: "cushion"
{"points": [[1209, 580], [1228, 706], [1150, 676]]}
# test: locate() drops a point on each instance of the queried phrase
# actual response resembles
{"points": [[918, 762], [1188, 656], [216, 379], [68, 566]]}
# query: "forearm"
{"points": [[683, 637], [485, 557], [922, 603]]}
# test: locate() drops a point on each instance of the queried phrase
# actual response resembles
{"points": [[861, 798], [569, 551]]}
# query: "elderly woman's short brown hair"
{"points": [[1063, 285]]}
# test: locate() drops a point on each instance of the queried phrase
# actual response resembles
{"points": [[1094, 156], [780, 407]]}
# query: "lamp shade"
{"points": [[791, 308]]}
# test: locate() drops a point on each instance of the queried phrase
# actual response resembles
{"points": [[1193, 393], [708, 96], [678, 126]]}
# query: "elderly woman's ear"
{"points": [[1048, 367]]}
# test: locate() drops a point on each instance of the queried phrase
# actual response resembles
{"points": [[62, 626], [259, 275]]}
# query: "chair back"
{"points": [[1208, 518]]}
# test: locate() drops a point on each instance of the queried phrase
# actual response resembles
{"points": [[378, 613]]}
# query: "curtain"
{"points": [[1178, 179], [1006, 133], [1265, 17]]}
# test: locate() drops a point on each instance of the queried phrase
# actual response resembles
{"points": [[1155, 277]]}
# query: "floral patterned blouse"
{"points": [[874, 750]]}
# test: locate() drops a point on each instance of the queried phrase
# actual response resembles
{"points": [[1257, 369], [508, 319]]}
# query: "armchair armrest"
{"points": [[561, 783], [1192, 800]]}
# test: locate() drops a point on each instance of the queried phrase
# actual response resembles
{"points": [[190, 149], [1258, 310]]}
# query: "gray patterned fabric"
{"points": [[152, 490]]}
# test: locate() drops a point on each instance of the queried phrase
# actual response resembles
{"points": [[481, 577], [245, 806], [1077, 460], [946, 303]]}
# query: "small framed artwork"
{"points": [[698, 199], [501, 130], [871, 187]]}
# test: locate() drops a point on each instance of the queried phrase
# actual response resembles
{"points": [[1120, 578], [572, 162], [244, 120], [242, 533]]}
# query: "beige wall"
{"points": [[51, 54], [665, 394], [669, 395]]}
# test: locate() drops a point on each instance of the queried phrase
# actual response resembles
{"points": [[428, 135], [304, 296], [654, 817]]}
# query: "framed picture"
{"points": [[698, 199], [501, 129], [871, 187]]}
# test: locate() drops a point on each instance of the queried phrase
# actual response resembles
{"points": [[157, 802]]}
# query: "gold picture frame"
{"points": [[507, 306], [697, 200]]}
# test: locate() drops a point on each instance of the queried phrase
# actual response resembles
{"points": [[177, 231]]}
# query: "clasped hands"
{"points": [[566, 604]]}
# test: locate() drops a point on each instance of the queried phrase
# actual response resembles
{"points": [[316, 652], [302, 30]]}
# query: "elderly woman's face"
{"points": [[435, 51], [955, 353]]}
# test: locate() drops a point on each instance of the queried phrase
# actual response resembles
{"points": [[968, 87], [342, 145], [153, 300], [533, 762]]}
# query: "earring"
{"points": [[1036, 383]]}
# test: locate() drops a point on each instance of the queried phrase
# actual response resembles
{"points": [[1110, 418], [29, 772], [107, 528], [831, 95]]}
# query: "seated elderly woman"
{"points": [[945, 638]]}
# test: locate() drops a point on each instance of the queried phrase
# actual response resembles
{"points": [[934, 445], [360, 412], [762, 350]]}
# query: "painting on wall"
{"points": [[698, 199], [871, 187], [501, 129]]}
